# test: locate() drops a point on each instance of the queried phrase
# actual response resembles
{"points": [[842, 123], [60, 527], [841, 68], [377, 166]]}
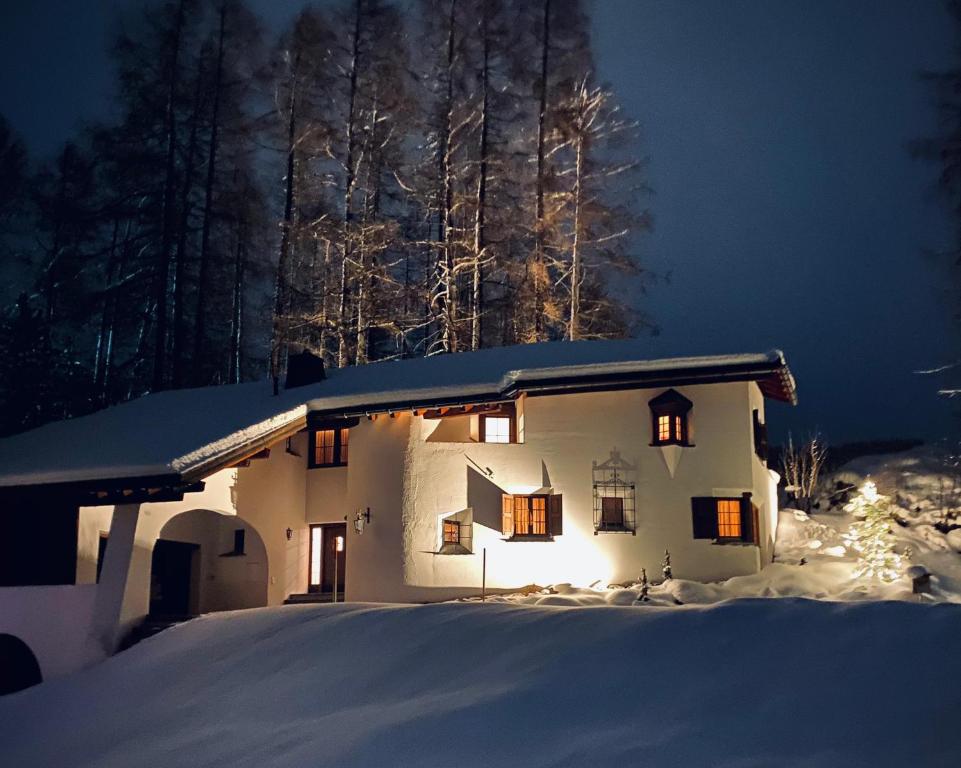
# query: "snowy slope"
{"points": [[173, 432], [742, 683]]}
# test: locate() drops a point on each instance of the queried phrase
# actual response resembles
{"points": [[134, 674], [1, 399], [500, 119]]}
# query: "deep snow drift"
{"points": [[745, 683]]}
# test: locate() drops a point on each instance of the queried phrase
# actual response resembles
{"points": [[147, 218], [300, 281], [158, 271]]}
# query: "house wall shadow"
{"points": [[484, 496]]}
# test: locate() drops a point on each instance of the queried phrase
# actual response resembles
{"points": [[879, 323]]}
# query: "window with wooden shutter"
{"points": [[507, 515], [537, 516], [749, 514], [556, 504], [725, 519], [704, 517]]}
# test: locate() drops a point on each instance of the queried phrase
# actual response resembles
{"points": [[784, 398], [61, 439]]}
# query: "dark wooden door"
{"points": [[331, 534], [171, 575]]}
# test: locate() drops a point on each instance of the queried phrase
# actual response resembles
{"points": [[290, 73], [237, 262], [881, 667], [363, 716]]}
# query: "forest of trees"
{"points": [[380, 180]]}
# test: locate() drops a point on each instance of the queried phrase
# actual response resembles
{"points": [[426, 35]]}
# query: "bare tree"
{"points": [[801, 466]]}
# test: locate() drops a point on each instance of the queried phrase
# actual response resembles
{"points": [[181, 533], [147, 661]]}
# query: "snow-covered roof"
{"points": [[192, 432]]}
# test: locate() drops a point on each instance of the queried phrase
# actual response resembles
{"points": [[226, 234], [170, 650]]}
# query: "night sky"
{"points": [[788, 211]]}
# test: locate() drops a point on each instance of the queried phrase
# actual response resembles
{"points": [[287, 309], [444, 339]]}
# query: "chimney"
{"points": [[304, 368]]}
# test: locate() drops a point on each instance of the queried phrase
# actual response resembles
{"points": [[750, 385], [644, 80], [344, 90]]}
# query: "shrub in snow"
{"points": [[645, 587], [666, 565], [871, 536]]}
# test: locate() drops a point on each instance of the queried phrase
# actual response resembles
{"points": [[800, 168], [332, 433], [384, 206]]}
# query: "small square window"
{"points": [[497, 429], [451, 532]]}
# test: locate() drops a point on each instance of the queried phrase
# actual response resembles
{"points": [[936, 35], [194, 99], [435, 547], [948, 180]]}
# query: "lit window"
{"points": [[497, 429], [663, 428], [530, 516], [728, 519], [451, 532], [669, 412], [324, 446], [329, 447]]}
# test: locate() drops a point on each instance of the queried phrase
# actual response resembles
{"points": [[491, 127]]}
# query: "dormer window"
{"points": [[497, 429], [498, 425], [669, 419]]}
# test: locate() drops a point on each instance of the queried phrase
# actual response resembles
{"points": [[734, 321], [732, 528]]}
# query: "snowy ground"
{"points": [[742, 683], [864, 675]]}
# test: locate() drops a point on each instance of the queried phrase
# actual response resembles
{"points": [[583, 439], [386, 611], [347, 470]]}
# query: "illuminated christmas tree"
{"points": [[871, 535]]}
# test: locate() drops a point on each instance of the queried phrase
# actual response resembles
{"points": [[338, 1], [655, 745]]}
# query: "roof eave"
{"points": [[773, 377]]}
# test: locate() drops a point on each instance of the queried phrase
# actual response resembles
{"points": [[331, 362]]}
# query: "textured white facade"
{"points": [[420, 481]]}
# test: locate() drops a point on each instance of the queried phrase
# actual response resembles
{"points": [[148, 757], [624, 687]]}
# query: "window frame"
{"points": [[737, 522], [341, 446], [504, 413], [672, 406], [611, 525], [553, 516], [706, 519], [530, 498], [450, 525]]}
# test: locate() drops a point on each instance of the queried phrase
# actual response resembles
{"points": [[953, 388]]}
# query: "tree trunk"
{"points": [[166, 240], [477, 287], [200, 321], [539, 277], [445, 268], [234, 364], [106, 316], [180, 258], [348, 194], [573, 328], [281, 321]]}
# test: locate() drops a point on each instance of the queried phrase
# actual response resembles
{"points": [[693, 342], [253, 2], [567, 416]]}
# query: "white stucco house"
{"points": [[415, 480]]}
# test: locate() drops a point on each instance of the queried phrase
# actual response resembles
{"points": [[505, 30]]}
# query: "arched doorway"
{"points": [[19, 668], [204, 561]]}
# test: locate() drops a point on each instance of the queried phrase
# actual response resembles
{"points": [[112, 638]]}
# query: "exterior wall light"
{"points": [[361, 520], [290, 534]]}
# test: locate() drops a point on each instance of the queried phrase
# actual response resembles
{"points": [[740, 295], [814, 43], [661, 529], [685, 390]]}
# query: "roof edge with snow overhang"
{"points": [[126, 472], [769, 370]]}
